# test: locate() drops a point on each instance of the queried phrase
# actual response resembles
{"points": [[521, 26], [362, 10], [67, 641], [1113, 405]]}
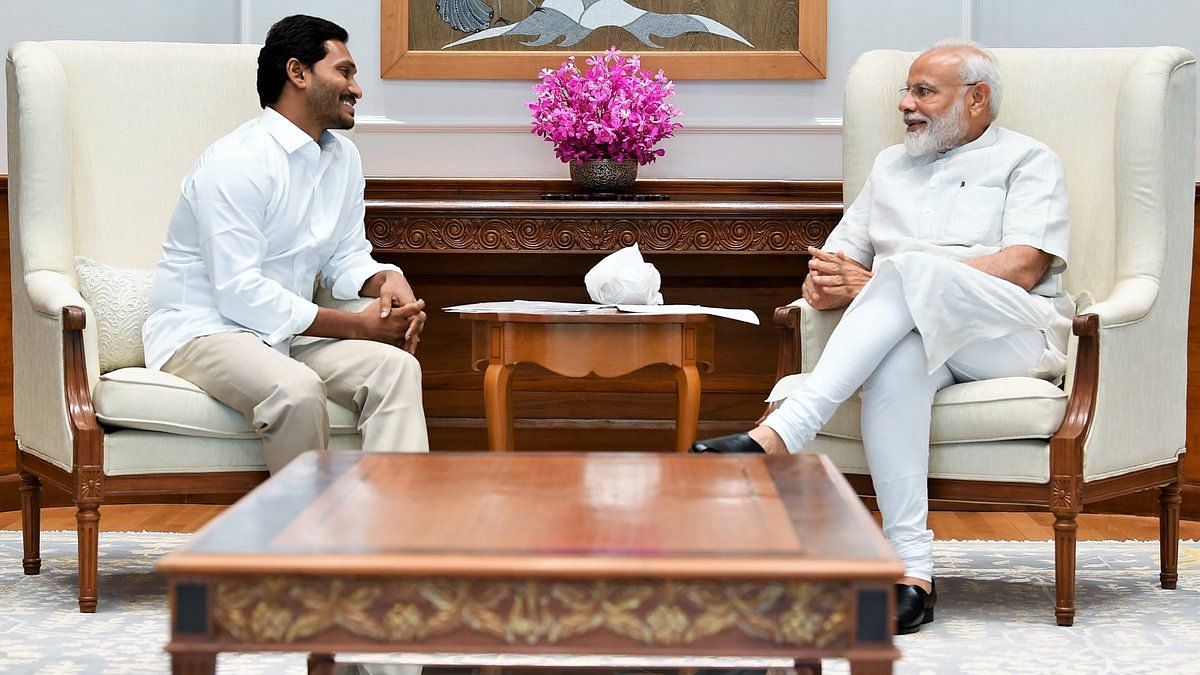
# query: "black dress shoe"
{"points": [[914, 607], [728, 444]]}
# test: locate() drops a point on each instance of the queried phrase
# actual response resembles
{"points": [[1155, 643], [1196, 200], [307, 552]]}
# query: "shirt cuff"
{"points": [[303, 315], [1059, 262], [854, 253], [350, 282]]}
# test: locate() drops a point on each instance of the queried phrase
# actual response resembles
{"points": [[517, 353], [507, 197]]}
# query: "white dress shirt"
{"points": [[263, 211], [1002, 189]]}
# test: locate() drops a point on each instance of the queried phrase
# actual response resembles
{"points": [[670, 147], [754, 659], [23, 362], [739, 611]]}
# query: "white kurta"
{"points": [[1002, 189]]}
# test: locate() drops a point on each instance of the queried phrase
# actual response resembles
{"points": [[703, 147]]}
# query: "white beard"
{"points": [[939, 133]]}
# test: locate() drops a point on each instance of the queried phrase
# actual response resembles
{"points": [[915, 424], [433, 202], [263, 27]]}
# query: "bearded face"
{"points": [[331, 104], [939, 133], [333, 91]]}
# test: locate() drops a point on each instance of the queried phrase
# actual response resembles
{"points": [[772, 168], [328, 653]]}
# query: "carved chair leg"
{"points": [[87, 516], [1065, 529], [31, 522], [1168, 534]]}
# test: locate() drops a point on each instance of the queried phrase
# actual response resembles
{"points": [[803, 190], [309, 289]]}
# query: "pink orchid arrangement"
{"points": [[614, 111]]}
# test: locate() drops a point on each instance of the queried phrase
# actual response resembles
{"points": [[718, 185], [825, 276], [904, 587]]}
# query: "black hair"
{"points": [[300, 37]]}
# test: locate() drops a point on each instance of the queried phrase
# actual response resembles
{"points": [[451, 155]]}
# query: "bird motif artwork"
{"points": [[468, 16], [572, 20], [471, 16]]}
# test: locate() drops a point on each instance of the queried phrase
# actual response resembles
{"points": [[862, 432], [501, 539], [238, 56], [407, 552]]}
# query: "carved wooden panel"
{"points": [[637, 613], [90, 482], [390, 228], [1063, 493]]}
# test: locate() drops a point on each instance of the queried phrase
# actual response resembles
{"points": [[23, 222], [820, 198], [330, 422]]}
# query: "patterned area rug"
{"points": [[995, 612]]}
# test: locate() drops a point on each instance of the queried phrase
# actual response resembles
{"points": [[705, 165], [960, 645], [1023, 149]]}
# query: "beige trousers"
{"points": [[283, 398]]}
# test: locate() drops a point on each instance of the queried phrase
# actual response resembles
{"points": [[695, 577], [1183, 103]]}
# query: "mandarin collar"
{"points": [[287, 134], [987, 138]]}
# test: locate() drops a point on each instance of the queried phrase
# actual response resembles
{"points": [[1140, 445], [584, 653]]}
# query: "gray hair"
{"points": [[978, 65]]}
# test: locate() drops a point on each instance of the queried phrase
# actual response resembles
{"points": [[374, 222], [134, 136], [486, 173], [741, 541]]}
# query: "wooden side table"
{"points": [[607, 344]]}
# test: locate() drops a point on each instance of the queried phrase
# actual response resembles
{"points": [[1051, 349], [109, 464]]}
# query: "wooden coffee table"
{"points": [[606, 343], [637, 554]]}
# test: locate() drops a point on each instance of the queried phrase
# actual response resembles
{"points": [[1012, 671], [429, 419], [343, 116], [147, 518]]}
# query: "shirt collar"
{"points": [[988, 137], [290, 136]]}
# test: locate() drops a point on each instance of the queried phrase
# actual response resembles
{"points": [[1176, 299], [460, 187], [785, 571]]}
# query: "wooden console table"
{"points": [[716, 243], [607, 344]]}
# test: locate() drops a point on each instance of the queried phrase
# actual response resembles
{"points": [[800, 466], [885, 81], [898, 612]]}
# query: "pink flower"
{"points": [[614, 110]]}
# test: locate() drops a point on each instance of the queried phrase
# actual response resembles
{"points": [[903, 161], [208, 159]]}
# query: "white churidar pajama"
{"points": [[878, 346], [926, 320]]}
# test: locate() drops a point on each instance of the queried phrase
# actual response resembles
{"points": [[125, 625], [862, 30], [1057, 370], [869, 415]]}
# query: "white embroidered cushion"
{"points": [[120, 300]]}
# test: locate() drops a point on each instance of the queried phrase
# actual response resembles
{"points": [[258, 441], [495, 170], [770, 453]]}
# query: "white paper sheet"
{"points": [[743, 315], [528, 307], [548, 307]]}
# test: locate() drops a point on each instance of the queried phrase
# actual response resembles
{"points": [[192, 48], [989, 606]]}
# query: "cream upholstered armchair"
{"points": [[100, 137], [1123, 121]]}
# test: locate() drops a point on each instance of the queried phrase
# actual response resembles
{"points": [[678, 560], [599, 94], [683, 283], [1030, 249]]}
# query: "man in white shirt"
{"points": [[264, 211], [948, 261]]}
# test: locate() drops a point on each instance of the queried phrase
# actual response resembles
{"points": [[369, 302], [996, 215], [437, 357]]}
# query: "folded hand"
{"points": [[833, 280]]}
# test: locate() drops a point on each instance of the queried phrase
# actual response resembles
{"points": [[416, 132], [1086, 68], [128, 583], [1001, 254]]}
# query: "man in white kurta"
{"points": [[264, 211], [949, 262]]}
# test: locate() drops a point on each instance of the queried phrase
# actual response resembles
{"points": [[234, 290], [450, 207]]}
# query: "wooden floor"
{"points": [[945, 524]]}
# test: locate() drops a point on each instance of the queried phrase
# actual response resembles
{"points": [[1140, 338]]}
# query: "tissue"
{"points": [[623, 278]]}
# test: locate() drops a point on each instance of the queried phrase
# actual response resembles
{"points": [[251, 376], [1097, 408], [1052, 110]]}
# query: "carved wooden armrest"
{"points": [[788, 320], [1066, 446], [85, 428]]}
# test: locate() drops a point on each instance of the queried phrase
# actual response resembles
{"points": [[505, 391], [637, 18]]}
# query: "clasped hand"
{"points": [[399, 324], [833, 280], [396, 297]]}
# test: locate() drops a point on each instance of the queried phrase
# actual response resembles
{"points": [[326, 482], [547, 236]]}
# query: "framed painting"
{"points": [[688, 39]]}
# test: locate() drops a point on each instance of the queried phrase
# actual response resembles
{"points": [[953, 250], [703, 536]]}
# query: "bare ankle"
{"points": [[920, 583], [770, 441]]}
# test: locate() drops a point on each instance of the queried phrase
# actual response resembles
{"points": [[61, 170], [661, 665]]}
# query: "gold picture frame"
{"points": [[401, 58]]}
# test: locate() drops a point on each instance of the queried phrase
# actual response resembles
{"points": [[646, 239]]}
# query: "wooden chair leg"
{"points": [[87, 517], [1065, 529], [31, 522], [1168, 534]]}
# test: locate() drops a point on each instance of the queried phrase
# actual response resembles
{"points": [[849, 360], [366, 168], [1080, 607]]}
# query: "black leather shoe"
{"points": [[728, 444], [914, 607]]}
